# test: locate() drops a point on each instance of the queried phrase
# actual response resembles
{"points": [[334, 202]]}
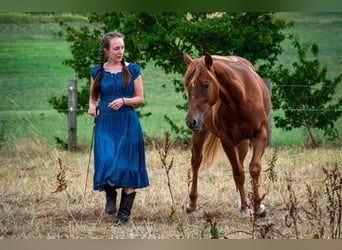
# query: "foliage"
{"points": [[162, 38], [306, 94], [272, 175]]}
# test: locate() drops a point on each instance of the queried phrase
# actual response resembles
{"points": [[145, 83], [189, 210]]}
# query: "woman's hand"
{"points": [[116, 104], [92, 111]]}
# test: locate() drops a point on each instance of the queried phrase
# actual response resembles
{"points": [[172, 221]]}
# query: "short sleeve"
{"points": [[134, 69], [94, 71]]}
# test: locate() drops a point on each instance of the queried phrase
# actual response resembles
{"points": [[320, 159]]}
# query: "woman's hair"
{"points": [[126, 76]]}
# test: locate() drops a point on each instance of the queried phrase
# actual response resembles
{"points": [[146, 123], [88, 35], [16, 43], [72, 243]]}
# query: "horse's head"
{"points": [[202, 88]]}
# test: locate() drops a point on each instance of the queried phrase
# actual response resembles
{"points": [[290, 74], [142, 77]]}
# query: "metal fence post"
{"points": [[72, 115], [269, 135]]}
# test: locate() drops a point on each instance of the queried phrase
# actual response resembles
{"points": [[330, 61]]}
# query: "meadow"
{"points": [[42, 188], [31, 56], [42, 196]]}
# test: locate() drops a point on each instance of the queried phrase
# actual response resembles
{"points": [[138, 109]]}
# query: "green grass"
{"points": [[39, 18], [324, 29], [31, 71], [31, 57], [161, 100]]}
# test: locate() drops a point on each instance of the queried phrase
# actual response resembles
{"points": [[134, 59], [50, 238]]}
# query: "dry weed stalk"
{"points": [[211, 219], [62, 185], [253, 218], [226, 236], [189, 178], [264, 230], [291, 206], [61, 179], [333, 190], [267, 231], [167, 167], [314, 212], [272, 175]]}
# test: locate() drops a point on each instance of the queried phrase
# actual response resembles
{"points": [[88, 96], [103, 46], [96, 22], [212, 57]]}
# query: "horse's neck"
{"points": [[228, 101], [231, 91]]}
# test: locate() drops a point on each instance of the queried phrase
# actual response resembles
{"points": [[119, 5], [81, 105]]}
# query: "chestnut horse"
{"points": [[228, 106]]}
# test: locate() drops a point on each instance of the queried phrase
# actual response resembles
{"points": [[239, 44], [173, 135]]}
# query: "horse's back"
{"points": [[231, 60]]}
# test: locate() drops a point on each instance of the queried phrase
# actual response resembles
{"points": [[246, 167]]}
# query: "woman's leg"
{"points": [[126, 203], [110, 207]]}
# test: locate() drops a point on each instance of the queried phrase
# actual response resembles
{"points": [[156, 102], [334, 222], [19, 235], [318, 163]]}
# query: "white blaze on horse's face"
{"points": [[198, 94]]}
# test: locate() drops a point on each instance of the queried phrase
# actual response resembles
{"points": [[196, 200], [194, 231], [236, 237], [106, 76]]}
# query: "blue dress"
{"points": [[119, 152]]}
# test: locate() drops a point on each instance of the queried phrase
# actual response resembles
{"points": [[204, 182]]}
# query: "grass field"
{"points": [[302, 200], [30, 210], [31, 56]]}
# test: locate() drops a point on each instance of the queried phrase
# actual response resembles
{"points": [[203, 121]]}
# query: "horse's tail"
{"points": [[211, 152]]}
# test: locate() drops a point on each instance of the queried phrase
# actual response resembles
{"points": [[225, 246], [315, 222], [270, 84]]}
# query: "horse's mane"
{"points": [[196, 70]]}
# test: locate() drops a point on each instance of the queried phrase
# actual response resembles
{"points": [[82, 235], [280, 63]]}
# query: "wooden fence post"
{"points": [[72, 115], [269, 136]]}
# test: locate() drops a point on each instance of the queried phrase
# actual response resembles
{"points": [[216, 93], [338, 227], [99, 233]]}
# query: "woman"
{"points": [[119, 155]]}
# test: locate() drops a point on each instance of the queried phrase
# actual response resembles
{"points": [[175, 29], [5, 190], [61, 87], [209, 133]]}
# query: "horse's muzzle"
{"points": [[194, 123]]}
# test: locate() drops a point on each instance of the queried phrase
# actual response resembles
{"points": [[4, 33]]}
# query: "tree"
{"points": [[162, 38], [306, 95]]}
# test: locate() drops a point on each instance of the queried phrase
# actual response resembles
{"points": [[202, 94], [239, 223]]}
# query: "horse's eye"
{"points": [[206, 85]]}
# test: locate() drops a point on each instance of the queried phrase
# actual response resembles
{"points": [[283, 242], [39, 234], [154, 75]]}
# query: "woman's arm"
{"points": [[138, 98], [92, 102], [134, 101]]}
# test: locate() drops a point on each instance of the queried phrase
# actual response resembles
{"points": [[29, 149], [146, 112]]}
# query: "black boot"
{"points": [[110, 200], [126, 204]]}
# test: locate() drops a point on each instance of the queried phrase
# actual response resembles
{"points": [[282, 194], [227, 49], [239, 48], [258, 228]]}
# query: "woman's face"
{"points": [[116, 49]]}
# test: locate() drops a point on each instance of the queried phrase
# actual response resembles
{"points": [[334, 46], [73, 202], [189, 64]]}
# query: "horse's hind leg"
{"points": [[259, 145], [197, 142], [242, 151]]}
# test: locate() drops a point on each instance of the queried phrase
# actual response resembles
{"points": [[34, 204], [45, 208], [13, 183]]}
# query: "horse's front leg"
{"points": [[196, 159], [259, 145], [236, 156]]}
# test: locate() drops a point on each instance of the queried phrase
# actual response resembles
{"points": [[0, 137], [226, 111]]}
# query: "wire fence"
{"points": [[12, 104], [37, 92], [40, 111]]}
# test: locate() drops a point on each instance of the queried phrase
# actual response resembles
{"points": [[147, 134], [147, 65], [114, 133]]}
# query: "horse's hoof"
{"points": [[189, 210], [261, 213]]}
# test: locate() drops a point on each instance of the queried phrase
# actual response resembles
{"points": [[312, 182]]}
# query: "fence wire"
{"points": [[23, 111], [6, 112]]}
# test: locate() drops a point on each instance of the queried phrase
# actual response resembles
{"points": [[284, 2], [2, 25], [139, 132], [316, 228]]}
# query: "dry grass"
{"points": [[30, 210]]}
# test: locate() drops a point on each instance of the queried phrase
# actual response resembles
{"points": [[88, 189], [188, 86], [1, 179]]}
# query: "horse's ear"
{"points": [[187, 58], [208, 60]]}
